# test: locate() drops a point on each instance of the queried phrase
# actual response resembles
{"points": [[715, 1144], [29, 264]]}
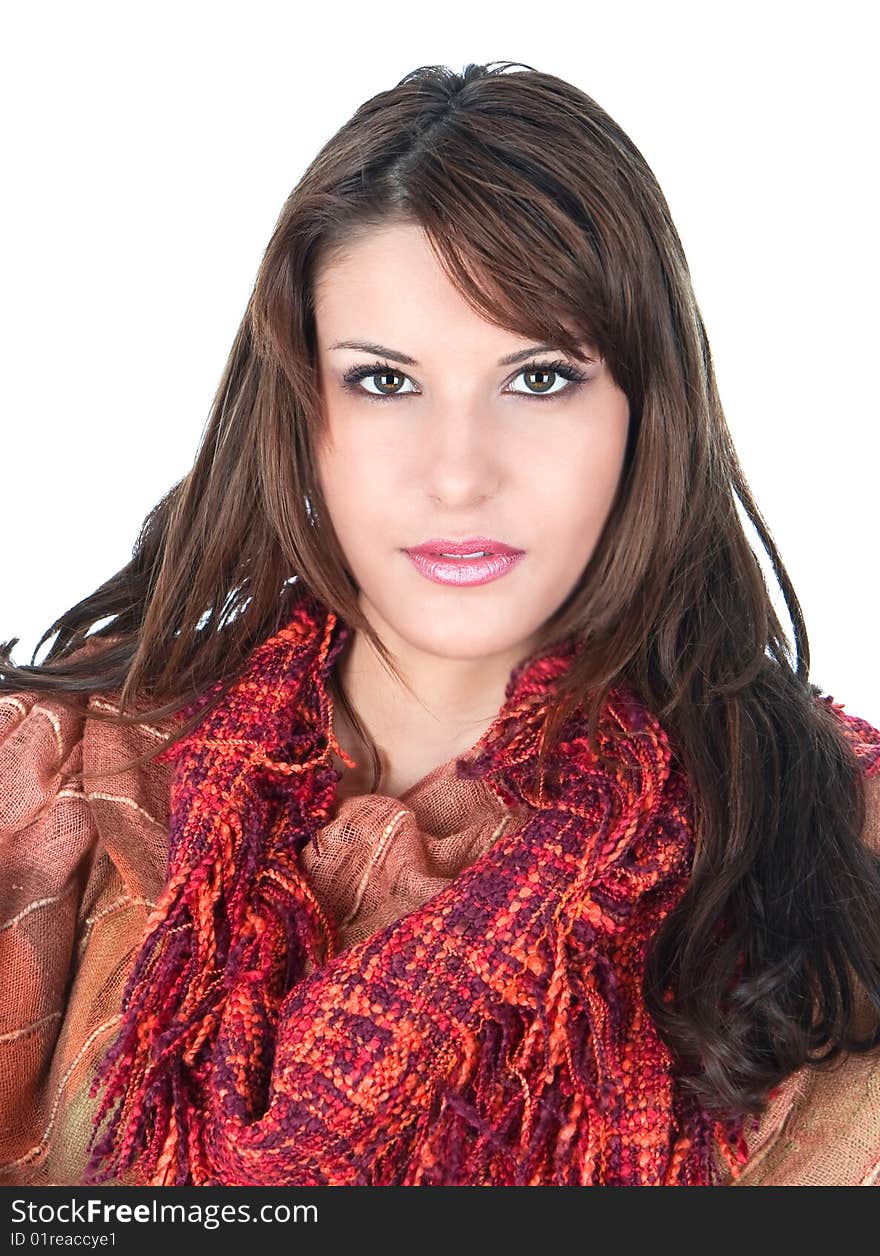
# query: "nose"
{"points": [[462, 456]]}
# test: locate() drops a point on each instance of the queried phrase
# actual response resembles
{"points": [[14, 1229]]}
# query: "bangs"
{"points": [[535, 310], [517, 242]]}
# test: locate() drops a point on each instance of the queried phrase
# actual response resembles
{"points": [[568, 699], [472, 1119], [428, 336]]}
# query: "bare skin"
{"points": [[414, 743], [463, 447]]}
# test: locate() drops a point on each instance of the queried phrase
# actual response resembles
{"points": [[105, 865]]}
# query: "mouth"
{"points": [[471, 547], [475, 561]]}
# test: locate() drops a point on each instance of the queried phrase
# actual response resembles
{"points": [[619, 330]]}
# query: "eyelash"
{"points": [[352, 377]]}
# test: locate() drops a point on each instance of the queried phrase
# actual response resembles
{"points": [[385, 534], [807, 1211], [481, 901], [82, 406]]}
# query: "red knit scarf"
{"points": [[494, 1036]]}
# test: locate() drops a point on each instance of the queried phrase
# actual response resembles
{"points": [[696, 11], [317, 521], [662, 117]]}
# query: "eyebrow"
{"points": [[382, 351]]}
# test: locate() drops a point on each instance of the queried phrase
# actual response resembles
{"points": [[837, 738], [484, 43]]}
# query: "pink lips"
{"points": [[497, 560]]}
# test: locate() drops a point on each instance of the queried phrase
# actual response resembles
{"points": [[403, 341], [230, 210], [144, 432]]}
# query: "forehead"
{"points": [[388, 285], [401, 246]]}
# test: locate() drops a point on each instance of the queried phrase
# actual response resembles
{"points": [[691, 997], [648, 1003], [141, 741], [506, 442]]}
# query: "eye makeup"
{"points": [[352, 378]]}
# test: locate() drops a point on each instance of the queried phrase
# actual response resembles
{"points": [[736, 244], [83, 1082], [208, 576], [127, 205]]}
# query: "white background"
{"points": [[147, 152]]}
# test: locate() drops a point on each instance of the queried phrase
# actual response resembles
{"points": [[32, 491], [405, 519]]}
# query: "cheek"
{"points": [[576, 491], [356, 477]]}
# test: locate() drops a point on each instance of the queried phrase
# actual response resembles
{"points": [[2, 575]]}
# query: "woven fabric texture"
{"points": [[88, 867], [495, 1036], [84, 868], [379, 857]]}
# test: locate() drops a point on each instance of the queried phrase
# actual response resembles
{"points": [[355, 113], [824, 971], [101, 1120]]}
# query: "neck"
{"points": [[452, 703]]}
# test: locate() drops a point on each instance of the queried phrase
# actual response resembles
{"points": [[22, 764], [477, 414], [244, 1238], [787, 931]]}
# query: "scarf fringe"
{"points": [[234, 915], [557, 1075], [525, 1108]]}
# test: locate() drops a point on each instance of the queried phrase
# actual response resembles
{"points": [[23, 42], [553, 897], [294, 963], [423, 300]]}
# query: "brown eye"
{"points": [[386, 381], [542, 376], [383, 376], [540, 381]]}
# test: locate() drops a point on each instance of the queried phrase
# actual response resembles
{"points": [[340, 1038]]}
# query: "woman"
{"points": [[440, 802]]}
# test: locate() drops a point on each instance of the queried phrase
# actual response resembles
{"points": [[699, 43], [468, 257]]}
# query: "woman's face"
{"points": [[446, 440]]}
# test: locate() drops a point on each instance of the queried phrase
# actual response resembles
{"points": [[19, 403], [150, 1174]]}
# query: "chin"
{"points": [[454, 637]]}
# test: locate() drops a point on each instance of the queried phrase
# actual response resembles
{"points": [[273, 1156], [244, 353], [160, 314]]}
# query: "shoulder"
{"points": [[41, 736], [862, 735], [864, 741], [129, 802], [822, 1126], [83, 864], [62, 758], [40, 743], [871, 834]]}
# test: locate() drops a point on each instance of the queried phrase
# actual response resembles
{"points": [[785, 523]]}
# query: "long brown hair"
{"points": [[552, 225]]}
